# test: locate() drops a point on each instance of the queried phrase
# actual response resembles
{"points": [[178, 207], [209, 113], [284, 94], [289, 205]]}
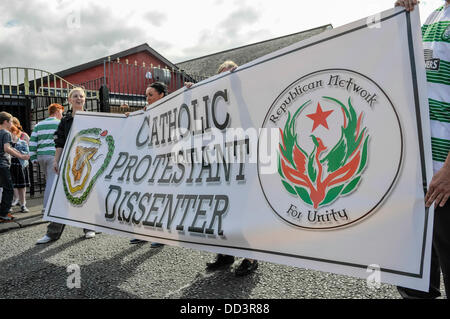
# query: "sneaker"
{"points": [[24, 209], [15, 203], [246, 267], [137, 241], [89, 234], [221, 261], [156, 245], [6, 219], [44, 240]]}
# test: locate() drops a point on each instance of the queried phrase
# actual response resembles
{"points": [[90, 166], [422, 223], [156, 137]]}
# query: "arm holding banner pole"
{"points": [[58, 153], [439, 189]]}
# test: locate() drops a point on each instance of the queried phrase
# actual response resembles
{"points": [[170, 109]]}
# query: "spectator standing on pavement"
{"points": [[436, 43], [19, 192], [42, 145], [5, 162], [77, 99], [19, 171]]}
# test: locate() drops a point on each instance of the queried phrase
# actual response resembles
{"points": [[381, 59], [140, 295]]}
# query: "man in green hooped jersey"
{"points": [[436, 43]]}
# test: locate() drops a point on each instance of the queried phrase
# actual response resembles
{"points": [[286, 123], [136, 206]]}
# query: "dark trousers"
{"points": [[440, 257], [8, 191]]}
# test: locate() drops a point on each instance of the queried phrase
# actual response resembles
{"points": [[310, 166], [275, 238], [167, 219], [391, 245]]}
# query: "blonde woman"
{"points": [[77, 99], [227, 66]]}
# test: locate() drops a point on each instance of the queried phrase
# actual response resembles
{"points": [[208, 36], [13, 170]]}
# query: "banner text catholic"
{"points": [[168, 156]]}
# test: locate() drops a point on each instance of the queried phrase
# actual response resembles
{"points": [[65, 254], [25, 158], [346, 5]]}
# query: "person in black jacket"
{"points": [[77, 99]]}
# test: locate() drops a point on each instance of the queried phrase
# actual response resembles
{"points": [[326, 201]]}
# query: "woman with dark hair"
{"points": [[153, 93]]}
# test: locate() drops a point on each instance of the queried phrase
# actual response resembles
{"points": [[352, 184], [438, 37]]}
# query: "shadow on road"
{"points": [[31, 275], [221, 285]]}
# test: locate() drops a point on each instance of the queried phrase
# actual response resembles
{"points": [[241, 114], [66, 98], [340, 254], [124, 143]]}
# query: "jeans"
{"points": [[55, 230], [8, 191], [46, 163]]}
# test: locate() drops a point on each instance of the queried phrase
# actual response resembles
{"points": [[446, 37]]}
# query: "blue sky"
{"points": [[57, 34]]}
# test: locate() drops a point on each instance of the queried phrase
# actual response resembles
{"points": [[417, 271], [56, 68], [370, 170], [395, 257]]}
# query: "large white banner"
{"points": [[314, 156]]}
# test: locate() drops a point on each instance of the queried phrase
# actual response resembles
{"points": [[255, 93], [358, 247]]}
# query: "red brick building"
{"points": [[128, 72]]}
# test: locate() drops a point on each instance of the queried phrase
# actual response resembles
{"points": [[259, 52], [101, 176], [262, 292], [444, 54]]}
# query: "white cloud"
{"points": [[156, 18]]}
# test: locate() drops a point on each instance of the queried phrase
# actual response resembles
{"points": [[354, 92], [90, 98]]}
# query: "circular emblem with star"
{"points": [[89, 154], [339, 150]]}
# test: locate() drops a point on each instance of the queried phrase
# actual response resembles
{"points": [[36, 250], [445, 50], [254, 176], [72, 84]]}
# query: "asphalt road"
{"points": [[109, 267]]}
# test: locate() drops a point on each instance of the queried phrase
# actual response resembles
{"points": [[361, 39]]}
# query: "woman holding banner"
{"points": [[247, 266], [154, 92], [77, 99]]}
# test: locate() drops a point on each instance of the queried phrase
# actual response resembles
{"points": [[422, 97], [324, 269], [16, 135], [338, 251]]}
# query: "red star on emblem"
{"points": [[320, 117]]}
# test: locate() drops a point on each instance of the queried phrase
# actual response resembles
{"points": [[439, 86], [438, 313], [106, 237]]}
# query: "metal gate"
{"points": [[126, 83], [26, 93]]}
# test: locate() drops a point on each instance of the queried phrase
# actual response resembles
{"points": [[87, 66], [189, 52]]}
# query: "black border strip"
{"points": [[419, 128], [413, 71]]}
